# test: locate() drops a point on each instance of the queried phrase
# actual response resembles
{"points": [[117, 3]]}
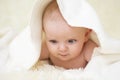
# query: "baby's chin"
{"points": [[64, 58]]}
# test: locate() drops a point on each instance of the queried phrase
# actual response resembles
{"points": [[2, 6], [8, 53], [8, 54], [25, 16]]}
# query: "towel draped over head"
{"points": [[25, 48]]}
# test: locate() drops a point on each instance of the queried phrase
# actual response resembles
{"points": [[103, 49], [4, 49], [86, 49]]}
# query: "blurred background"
{"points": [[109, 14], [16, 14]]}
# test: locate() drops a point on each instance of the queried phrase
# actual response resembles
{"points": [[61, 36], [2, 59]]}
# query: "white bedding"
{"points": [[14, 59]]}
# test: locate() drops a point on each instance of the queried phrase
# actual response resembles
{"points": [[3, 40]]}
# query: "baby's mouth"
{"points": [[63, 54]]}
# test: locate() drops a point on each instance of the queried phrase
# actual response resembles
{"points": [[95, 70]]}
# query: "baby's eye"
{"points": [[53, 41], [72, 41]]}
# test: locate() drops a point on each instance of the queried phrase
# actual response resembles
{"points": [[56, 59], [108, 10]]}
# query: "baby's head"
{"points": [[61, 38]]}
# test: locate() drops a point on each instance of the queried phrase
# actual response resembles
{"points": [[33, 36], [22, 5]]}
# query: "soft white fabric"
{"points": [[24, 51], [82, 14], [48, 72]]}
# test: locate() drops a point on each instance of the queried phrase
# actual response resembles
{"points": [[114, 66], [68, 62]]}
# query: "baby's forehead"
{"points": [[65, 34], [65, 30]]}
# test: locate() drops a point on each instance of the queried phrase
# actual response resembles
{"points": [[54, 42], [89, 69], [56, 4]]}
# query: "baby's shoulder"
{"points": [[88, 49]]}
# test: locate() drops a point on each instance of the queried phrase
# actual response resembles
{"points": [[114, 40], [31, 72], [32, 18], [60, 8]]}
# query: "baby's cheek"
{"points": [[52, 49], [76, 49]]}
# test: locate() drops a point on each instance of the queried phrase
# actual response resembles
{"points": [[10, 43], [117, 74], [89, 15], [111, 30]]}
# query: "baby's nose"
{"points": [[62, 47]]}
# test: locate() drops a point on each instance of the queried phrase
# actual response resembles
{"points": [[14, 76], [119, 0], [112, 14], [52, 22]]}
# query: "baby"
{"points": [[65, 46]]}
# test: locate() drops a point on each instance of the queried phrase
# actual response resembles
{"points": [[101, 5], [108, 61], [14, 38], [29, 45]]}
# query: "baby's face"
{"points": [[63, 42]]}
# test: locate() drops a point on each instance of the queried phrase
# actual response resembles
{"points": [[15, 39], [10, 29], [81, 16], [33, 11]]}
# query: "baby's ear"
{"points": [[87, 34]]}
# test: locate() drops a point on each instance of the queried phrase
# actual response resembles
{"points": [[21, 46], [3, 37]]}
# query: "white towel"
{"points": [[24, 51]]}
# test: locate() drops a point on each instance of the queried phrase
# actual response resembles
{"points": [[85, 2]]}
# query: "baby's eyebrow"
{"points": [[70, 38], [50, 38]]}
